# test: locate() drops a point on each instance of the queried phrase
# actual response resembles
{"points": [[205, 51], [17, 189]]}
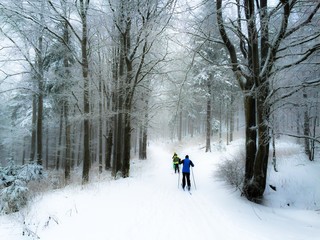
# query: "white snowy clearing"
{"points": [[149, 205]]}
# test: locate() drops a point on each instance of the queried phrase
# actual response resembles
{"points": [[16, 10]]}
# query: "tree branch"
{"points": [[316, 139]]}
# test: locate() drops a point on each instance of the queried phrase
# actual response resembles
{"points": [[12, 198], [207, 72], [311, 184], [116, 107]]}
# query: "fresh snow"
{"points": [[150, 204]]}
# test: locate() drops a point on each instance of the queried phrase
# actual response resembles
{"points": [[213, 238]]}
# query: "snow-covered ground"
{"points": [[149, 204]]}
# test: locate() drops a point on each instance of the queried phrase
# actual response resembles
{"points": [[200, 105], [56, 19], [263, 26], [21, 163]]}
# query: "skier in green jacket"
{"points": [[176, 162]]}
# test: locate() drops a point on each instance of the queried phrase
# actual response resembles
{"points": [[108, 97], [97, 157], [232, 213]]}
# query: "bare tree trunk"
{"points": [[312, 150], [34, 128], [67, 166], [84, 5], [118, 137], [108, 151], [227, 123], [40, 78], [100, 142], [24, 151], [117, 143], [39, 125], [274, 157], [143, 130], [118, 100], [298, 122], [127, 109], [47, 148], [79, 143], [140, 133], [220, 122], [306, 127], [100, 134], [180, 125], [126, 143], [251, 138], [144, 143], [59, 139], [257, 185], [231, 116], [208, 125], [67, 75], [107, 105]]}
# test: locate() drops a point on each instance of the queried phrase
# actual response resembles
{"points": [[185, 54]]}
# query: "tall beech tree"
{"points": [[17, 16], [82, 9], [253, 58], [137, 25]]}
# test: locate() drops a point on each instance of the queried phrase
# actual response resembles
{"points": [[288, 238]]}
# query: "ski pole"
{"points": [[178, 176], [194, 182]]}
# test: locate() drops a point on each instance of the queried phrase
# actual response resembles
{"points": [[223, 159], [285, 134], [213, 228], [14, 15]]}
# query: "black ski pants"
{"points": [[176, 168], [186, 177]]}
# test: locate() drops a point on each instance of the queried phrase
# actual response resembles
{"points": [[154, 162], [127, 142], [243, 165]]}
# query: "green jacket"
{"points": [[176, 159]]}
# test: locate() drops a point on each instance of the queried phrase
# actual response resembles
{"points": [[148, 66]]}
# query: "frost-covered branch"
{"points": [[292, 89], [316, 139]]}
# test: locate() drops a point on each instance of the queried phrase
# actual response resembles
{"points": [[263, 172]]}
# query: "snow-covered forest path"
{"points": [[149, 205]]}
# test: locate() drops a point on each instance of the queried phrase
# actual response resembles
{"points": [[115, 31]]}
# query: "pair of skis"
{"points": [[181, 186]]}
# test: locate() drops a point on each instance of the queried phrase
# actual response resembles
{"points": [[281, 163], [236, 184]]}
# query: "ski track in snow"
{"points": [[149, 205]]}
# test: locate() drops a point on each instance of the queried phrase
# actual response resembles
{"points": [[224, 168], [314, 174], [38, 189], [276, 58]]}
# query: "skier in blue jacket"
{"points": [[186, 172]]}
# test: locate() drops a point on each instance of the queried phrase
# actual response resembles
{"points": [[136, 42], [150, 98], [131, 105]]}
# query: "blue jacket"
{"points": [[186, 165]]}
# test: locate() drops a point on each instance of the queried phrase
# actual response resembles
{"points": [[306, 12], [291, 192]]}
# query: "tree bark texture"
{"points": [[84, 5], [208, 115], [34, 128], [40, 77], [256, 109]]}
